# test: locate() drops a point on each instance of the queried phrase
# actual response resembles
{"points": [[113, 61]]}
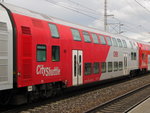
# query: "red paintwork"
{"points": [[143, 50], [40, 34]]}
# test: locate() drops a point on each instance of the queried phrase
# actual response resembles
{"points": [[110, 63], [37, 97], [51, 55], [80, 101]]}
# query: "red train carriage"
{"points": [[42, 54]]}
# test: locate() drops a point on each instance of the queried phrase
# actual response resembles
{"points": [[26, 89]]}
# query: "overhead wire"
{"points": [[72, 9], [142, 6], [77, 11]]}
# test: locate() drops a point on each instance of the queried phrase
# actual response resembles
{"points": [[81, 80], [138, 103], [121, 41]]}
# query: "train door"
{"points": [[148, 62], [125, 63], [77, 67]]}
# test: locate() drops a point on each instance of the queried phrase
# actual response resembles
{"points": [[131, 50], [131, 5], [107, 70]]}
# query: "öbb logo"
{"points": [[115, 53]]}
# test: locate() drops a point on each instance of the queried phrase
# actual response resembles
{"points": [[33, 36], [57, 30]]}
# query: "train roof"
{"points": [[27, 12]]}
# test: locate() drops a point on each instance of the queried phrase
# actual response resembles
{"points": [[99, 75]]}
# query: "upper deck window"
{"points": [[54, 30], [95, 38], [131, 44], [124, 44], [86, 36], [76, 34], [102, 39], [119, 42], [109, 41], [115, 42]]}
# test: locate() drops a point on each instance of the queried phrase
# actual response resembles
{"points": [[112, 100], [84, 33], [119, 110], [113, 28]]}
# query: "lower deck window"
{"points": [[41, 53], [120, 65], [96, 68], [87, 68], [115, 66], [55, 53], [109, 66], [103, 67]]}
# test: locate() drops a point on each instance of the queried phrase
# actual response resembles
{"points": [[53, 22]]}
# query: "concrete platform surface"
{"points": [[144, 107]]}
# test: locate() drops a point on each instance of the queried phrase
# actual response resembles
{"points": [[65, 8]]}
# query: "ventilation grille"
{"points": [[27, 46], [27, 56], [3, 53], [3, 70], [37, 23], [3, 26], [26, 30], [27, 68]]}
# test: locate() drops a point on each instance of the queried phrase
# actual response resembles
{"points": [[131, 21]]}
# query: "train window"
{"points": [[134, 56], [55, 53], [86, 36], [115, 66], [95, 38], [75, 65], [143, 56], [110, 66], [102, 39], [87, 68], [96, 68], [103, 67], [119, 42], [54, 30], [109, 41], [115, 42], [120, 65], [131, 44], [76, 34], [41, 53], [124, 44]]}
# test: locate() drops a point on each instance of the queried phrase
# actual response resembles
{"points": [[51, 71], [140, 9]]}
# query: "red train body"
{"points": [[49, 52]]}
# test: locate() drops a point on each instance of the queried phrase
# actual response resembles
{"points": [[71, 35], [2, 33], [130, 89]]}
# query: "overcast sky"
{"points": [[130, 13]]}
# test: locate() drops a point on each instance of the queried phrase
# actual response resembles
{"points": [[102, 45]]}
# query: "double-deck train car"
{"points": [[40, 54]]}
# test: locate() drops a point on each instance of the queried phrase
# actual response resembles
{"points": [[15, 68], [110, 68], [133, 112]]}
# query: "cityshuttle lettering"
{"points": [[47, 71]]}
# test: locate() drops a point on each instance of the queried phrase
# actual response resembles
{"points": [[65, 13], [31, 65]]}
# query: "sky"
{"points": [[132, 15]]}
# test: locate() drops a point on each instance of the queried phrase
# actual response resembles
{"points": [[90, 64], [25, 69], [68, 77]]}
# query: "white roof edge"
{"points": [[26, 12]]}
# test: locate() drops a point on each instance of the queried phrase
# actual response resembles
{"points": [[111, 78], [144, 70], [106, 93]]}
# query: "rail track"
{"points": [[82, 100], [123, 103]]}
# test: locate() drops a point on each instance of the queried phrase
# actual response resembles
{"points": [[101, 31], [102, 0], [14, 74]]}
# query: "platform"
{"points": [[144, 107]]}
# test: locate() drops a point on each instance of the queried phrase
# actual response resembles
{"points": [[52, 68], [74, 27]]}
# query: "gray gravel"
{"points": [[81, 103]]}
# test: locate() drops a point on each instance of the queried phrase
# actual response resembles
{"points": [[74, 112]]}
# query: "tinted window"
{"points": [[41, 53], [115, 42], [134, 56], [103, 67], [76, 34], [109, 41], [109, 66], [131, 44], [86, 36], [54, 30], [96, 68], [120, 65], [119, 42], [55, 53], [87, 68], [115, 66], [102, 39], [95, 38], [124, 44]]}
